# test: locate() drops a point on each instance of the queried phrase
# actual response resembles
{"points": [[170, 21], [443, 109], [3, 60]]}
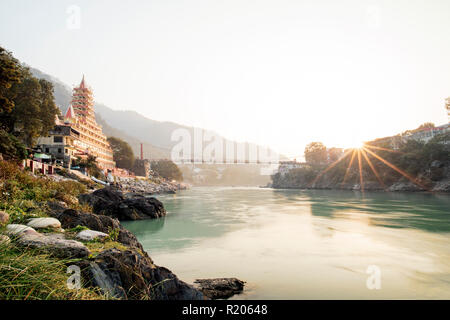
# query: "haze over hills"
{"points": [[128, 125]]}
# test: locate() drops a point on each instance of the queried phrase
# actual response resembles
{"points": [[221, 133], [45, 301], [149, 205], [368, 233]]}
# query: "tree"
{"points": [[10, 73], [423, 126], [122, 153], [90, 165], [167, 169], [11, 147], [426, 125], [34, 109], [334, 154], [316, 153], [27, 107]]}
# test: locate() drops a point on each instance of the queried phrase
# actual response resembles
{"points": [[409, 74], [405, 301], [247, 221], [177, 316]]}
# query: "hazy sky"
{"points": [[279, 73]]}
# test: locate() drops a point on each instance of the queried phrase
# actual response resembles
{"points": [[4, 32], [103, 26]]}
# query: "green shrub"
{"points": [[11, 147], [18, 184]]}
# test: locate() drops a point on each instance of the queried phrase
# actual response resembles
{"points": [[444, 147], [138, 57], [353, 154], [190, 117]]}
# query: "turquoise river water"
{"points": [[294, 244]]}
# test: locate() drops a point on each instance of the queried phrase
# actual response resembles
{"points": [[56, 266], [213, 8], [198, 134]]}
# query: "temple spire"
{"points": [[82, 85]]}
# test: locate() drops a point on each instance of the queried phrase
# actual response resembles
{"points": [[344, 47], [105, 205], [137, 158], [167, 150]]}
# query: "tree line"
{"points": [[27, 107]]}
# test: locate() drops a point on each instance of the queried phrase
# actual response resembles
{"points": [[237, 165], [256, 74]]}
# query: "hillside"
{"points": [[128, 125], [150, 151]]}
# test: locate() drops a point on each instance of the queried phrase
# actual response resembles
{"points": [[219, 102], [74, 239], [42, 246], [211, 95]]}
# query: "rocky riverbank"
{"points": [[130, 185], [61, 224], [110, 257], [147, 187], [435, 178]]}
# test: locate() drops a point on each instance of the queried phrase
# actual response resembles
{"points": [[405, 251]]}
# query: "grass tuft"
{"points": [[29, 275]]}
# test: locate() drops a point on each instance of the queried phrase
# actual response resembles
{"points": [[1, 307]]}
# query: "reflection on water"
{"points": [[295, 244]]}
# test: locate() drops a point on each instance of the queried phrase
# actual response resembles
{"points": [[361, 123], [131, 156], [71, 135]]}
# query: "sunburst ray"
{"points": [[381, 148], [330, 167], [349, 166], [361, 179], [392, 166], [373, 168]]}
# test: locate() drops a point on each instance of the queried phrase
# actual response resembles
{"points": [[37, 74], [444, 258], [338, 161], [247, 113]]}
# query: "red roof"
{"points": [[69, 113]]}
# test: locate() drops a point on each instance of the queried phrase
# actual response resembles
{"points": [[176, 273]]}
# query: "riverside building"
{"points": [[78, 135]]}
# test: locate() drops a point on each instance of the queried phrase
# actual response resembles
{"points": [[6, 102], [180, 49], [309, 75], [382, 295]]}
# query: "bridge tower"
{"points": [[447, 106]]}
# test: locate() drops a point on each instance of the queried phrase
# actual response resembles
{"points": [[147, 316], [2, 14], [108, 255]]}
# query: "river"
{"points": [[313, 244]]}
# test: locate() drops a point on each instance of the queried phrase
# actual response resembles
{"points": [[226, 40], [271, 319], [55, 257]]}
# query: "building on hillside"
{"points": [[141, 167], [392, 142], [427, 134], [60, 143], [79, 135]]}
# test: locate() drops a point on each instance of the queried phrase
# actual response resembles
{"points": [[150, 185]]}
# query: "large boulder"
{"points": [[112, 202], [107, 280], [71, 218], [220, 288], [56, 207], [89, 235], [43, 223], [18, 229], [131, 275], [54, 244]]}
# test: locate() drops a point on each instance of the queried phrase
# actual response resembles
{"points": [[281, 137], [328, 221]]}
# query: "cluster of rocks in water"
{"points": [[122, 274], [145, 187], [220, 288]]}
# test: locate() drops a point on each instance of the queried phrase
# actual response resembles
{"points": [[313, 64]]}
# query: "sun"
{"points": [[355, 145]]}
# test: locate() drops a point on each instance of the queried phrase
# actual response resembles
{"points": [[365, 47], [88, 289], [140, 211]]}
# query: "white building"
{"points": [[428, 133]]}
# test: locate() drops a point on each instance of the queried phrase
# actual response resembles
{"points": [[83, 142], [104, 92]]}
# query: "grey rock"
{"points": [[89, 235], [18, 229], [54, 244], [71, 218]]}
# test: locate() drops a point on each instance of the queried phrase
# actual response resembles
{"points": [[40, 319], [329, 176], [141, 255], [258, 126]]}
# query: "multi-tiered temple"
{"points": [[79, 135]]}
